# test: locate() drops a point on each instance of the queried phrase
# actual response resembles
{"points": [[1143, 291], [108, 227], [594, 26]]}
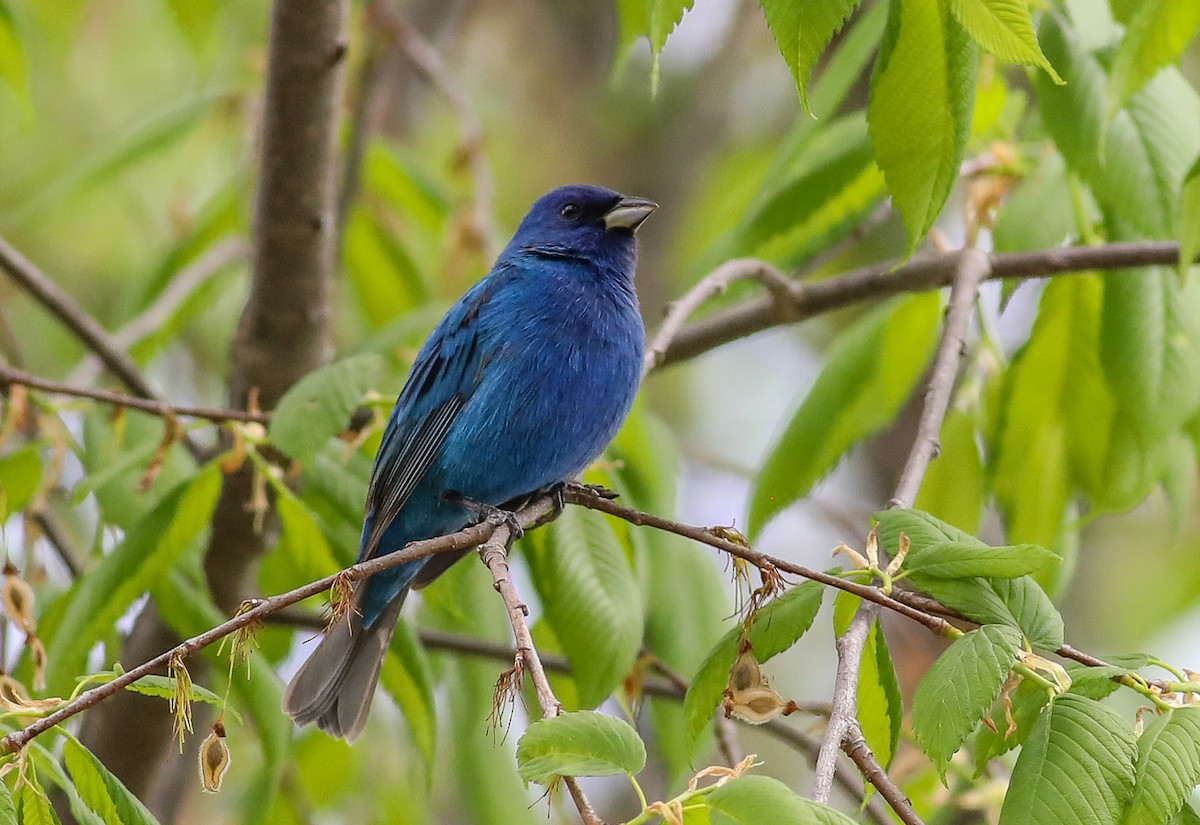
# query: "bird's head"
{"points": [[581, 221]]}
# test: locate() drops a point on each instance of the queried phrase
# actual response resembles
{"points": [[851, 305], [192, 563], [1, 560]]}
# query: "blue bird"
{"points": [[523, 383]]}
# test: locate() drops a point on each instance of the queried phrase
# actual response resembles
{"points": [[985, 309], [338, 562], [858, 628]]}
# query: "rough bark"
{"points": [[283, 334]]}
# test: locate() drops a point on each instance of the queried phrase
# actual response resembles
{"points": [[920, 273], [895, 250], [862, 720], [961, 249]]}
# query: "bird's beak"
{"points": [[629, 213]]}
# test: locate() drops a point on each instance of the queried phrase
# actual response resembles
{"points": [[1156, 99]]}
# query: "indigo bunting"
{"points": [[521, 385]]}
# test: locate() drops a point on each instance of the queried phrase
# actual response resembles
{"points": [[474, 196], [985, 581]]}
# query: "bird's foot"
{"points": [[598, 491], [495, 516]]}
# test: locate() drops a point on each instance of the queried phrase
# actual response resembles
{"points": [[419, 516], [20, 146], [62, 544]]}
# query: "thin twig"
{"points": [[57, 537], [494, 553], [64, 307], [583, 496], [972, 268], [833, 252], [464, 539], [860, 753], [181, 287], [922, 274], [8, 375], [713, 284], [428, 61]]}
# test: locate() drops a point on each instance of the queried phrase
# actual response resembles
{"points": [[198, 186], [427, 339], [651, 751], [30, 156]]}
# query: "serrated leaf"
{"points": [[20, 477], [756, 800], [33, 808], [1168, 767], [1189, 219], [953, 488], [101, 791], [318, 406], [1076, 766], [8, 809], [1156, 35], [146, 554], [664, 16], [1150, 346], [164, 688], [591, 598], [959, 689], [1056, 416], [952, 560], [880, 704], [1136, 163], [803, 31], [920, 110], [1004, 28], [582, 743], [869, 375], [779, 624], [832, 185], [407, 678], [1027, 699]]}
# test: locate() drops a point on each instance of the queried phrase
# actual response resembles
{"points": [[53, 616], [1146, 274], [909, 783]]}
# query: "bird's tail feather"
{"points": [[335, 686]]}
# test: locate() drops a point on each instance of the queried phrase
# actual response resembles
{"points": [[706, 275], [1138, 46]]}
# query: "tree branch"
{"points": [[494, 553], [805, 300], [972, 268], [74, 317], [8, 375], [464, 539]]}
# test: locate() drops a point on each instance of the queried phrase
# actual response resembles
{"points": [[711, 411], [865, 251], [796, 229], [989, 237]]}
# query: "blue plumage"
{"points": [[521, 385]]}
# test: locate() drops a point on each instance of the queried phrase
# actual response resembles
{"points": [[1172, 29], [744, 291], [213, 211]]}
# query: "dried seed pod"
{"points": [[214, 759], [17, 596]]}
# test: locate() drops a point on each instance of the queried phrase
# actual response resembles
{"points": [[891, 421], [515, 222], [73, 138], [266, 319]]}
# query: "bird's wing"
{"points": [[442, 379]]}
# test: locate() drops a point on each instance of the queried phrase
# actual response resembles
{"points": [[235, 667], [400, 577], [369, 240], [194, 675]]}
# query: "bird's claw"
{"points": [[495, 516]]}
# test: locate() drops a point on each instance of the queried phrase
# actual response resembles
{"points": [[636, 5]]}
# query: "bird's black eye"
{"points": [[570, 211]]}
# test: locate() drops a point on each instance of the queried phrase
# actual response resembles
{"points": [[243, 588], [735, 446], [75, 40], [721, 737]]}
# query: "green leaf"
{"points": [[8, 810], [582, 743], [833, 183], [146, 554], [1168, 767], [591, 598], [953, 488], [407, 678], [953, 561], [803, 31], [33, 807], [1189, 219], [164, 688], [1156, 36], [757, 800], [1076, 766], [959, 689], [100, 790], [1055, 416], [1027, 699], [868, 377], [1004, 29], [319, 405], [1019, 603], [880, 704], [664, 16], [920, 109], [1150, 346], [1134, 166], [14, 63], [1038, 214], [20, 477], [778, 626]]}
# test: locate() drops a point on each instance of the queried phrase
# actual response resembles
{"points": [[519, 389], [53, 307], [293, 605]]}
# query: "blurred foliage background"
{"points": [[127, 169]]}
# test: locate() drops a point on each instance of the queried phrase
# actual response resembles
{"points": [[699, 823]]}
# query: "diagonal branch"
{"points": [[843, 729], [64, 307], [805, 300], [494, 553]]}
